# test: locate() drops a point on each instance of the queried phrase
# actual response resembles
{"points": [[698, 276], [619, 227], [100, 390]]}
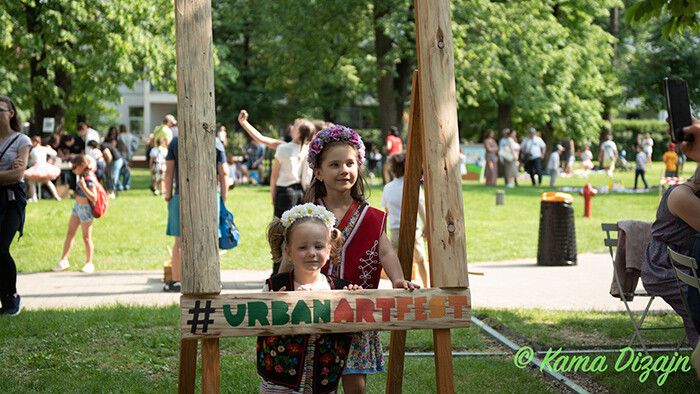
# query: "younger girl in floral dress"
{"points": [[303, 363]]}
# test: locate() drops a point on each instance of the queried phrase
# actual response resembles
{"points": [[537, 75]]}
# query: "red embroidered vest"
{"points": [[362, 226]]}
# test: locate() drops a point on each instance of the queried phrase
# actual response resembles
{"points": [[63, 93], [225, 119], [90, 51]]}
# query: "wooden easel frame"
{"points": [[433, 145]]}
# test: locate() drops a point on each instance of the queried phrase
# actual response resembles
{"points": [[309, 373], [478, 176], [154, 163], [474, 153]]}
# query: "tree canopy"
{"points": [[560, 66], [682, 15], [69, 57]]}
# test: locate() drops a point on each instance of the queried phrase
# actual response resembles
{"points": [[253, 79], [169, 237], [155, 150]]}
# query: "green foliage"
{"points": [[548, 61], [133, 349], [70, 56], [626, 132], [658, 57], [682, 15]]}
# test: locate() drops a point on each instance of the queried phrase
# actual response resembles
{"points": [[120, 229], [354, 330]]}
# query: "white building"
{"points": [[143, 108]]}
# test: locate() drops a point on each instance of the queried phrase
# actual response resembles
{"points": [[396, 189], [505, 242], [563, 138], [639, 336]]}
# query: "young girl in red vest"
{"points": [[303, 363], [336, 156]]}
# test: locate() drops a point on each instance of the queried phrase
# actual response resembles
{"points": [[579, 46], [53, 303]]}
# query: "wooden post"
{"points": [[447, 251], [197, 133], [188, 366], [197, 176], [407, 233], [210, 366]]}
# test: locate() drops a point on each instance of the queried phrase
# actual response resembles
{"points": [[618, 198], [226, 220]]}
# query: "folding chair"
{"points": [[611, 231], [690, 280]]}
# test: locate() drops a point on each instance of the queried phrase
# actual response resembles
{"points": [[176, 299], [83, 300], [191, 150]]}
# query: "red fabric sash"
{"points": [[362, 226]]}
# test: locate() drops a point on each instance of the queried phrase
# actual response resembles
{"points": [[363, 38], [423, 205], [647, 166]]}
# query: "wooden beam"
{"points": [[407, 233], [210, 366], [303, 312], [188, 366], [197, 177], [197, 128], [447, 249]]}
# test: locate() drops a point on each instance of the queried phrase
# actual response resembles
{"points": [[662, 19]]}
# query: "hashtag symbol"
{"points": [[206, 321]]}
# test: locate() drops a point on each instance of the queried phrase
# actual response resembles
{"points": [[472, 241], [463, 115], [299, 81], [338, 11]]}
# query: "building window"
{"points": [[136, 120]]}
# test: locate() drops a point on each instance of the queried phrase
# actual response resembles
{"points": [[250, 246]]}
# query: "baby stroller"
{"points": [[622, 163]]}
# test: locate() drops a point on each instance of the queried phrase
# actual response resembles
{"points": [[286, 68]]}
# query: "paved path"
{"points": [[505, 284]]}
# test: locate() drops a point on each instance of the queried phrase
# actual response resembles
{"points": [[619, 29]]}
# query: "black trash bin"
{"points": [[557, 238]]}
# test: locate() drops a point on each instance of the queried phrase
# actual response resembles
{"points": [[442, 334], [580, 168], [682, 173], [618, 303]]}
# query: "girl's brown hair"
{"points": [[15, 124], [397, 164], [318, 189], [307, 130], [278, 237], [83, 159]]}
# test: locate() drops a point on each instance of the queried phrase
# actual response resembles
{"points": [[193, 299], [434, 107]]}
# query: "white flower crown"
{"points": [[308, 210]]}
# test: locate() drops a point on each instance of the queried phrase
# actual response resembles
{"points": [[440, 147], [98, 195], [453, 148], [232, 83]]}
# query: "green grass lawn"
{"points": [[135, 350], [132, 234]]}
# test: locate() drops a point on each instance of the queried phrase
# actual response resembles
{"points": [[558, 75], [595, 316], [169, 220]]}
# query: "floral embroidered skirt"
{"points": [[366, 354], [307, 373]]}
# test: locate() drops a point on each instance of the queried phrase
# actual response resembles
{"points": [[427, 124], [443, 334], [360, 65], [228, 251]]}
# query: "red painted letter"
{"points": [[457, 302], [402, 308], [385, 304], [343, 312], [364, 310], [420, 308]]}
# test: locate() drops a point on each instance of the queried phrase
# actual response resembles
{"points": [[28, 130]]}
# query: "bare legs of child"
{"points": [[355, 383], [86, 228]]}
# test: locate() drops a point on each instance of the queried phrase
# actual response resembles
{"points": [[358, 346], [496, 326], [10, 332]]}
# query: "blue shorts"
{"points": [[173, 227], [83, 211]]}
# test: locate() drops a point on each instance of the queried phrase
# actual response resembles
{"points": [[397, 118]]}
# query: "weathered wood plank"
{"points": [[301, 312], [407, 233], [446, 233], [211, 380], [188, 366], [442, 345], [197, 127]]}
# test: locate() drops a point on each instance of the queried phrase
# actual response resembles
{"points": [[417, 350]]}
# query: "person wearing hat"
{"points": [[553, 164], [670, 157], [534, 149], [164, 130]]}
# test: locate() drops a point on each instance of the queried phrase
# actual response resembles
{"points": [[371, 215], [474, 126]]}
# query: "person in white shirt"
{"points": [[608, 155], [290, 168], [648, 145], [553, 164], [534, 148], [87, 134], [392, 197]]}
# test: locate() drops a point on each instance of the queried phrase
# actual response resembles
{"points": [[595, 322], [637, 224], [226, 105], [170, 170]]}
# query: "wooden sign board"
{"points": [[307, 312]]}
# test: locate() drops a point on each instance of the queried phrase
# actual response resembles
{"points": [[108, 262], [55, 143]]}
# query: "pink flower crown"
{"points": [[335, 133]]}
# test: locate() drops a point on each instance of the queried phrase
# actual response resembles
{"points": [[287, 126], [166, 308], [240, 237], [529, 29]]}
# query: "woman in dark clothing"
{"points": [[14, 153]]}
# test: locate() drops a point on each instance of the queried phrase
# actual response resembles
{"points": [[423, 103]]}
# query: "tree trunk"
{"points": [[614, 31], [385, 83], [504, 117], [62, 80]]}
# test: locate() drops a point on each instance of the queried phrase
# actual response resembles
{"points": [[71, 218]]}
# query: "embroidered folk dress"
{"points": [[283, 353], [361, 228]]}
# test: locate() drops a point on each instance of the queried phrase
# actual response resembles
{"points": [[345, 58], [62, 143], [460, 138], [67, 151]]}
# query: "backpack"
{"points": [[99, 208], [229, 233]]}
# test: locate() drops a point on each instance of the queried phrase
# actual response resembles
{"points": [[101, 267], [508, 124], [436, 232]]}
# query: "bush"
{"points": [[625, 132]]}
